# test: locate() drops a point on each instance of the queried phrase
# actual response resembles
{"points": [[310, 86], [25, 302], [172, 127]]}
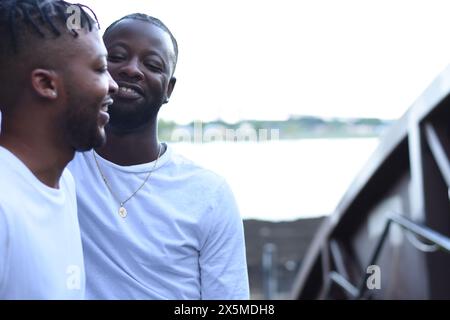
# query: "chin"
{"points": [[100, 140], [94, 141], [133, 115]]}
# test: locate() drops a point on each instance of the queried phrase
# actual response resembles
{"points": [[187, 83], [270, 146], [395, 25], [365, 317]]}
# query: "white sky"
{"points": [[260, 59]]}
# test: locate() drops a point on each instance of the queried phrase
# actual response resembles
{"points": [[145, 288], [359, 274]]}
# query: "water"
{"points": [[288, 179]]}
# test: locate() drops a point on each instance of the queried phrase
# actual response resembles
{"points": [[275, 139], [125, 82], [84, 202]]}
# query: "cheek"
{"points": [[105, 87], [161, 83], [113, 71], [100, 87]]}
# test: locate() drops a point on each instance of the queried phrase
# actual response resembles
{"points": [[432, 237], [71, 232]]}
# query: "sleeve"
{"points": [[4, 247], [223, 265]]}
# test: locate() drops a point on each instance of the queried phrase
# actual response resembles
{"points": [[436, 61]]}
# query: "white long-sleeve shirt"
{"points": [[182, 239]]}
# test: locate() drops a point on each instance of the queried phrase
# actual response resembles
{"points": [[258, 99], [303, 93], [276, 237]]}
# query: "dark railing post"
{"points": [[269, 265]]}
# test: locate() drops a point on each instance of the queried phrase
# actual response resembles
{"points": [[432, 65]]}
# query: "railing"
{"points": [[442, 243], [411, 165]]}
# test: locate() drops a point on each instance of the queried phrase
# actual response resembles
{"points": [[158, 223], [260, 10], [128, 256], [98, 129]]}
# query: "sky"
{"points": [[267, 60]]}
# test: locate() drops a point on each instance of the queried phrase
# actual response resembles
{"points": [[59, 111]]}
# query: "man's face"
{"points": [[140, 60], [88, 86]]}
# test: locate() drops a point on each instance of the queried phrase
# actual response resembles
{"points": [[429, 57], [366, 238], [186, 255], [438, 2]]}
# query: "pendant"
{"points": [[123, 212]]}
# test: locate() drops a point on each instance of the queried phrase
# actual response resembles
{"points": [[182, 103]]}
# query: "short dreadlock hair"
{"points": [[17, 15], [152, 20], [28, 30]]}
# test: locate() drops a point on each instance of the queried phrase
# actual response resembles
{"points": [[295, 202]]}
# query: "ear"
{"points": [[44, 83], [172, 82]]}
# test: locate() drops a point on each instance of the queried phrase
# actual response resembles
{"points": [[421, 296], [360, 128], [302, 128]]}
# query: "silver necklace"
{"points": [[122, 211]]}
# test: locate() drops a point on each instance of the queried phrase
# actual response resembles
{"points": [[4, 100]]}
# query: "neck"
{"points": [[131, 148], [40, 150]]}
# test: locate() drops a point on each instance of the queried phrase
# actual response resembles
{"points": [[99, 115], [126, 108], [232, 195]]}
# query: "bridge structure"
{"points": [[393, 223]]}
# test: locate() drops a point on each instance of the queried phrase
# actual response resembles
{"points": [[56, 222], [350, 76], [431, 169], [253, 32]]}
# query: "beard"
{"points": [[81, 124], [132, 116]]}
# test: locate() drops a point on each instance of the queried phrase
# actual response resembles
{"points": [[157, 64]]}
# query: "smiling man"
{"points": [[54, 99], [154, 224]]}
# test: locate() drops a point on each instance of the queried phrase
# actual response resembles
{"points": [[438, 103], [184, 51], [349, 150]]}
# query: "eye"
{"points": [[103, 69], [153, 67], [115, 58]]}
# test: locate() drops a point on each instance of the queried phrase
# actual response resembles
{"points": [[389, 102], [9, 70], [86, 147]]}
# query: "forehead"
{"points": [[90, 43], [140, 35], [84, 48]]}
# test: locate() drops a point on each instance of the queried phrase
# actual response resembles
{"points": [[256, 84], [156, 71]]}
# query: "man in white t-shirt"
{"points": [[54, 98], [154, 225]]}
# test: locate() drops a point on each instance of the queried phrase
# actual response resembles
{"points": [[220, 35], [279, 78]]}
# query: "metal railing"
{"points": [[357, 292]]}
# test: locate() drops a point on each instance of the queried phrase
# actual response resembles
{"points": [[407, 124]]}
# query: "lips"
{"points": [[106, 104], [129, 91], [103, 114]]}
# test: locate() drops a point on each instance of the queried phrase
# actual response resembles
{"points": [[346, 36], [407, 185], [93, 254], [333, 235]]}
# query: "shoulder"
{"points": [[9, 164], [10, 175], [212, 186], [183, 167]]}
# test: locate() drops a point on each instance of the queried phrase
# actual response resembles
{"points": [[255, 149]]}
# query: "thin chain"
{"points": [[140, 187]]}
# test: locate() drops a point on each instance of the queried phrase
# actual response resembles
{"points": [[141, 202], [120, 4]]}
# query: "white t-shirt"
{"points": [[40, 245], [182, 239]]}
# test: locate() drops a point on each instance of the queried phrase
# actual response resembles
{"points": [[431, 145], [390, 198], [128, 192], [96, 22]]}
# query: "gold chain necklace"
{"points": [[122, 211]]}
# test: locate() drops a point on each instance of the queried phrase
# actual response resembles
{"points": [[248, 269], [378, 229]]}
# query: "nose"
{"points": [[112, 85], [131, 70]]}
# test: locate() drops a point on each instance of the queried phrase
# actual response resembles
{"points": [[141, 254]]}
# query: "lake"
{"points": [[287, 179]]}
